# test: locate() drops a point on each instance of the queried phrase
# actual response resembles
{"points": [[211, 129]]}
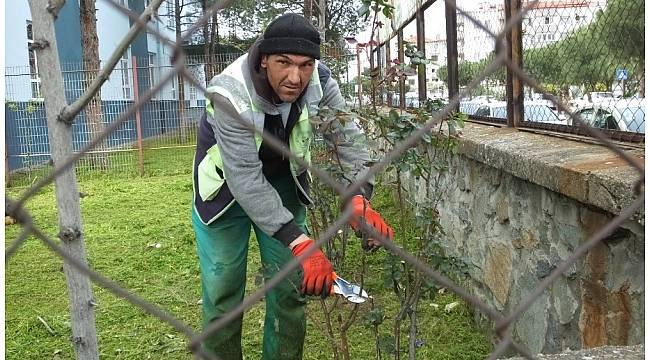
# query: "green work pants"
{"points": [[223, 250]]}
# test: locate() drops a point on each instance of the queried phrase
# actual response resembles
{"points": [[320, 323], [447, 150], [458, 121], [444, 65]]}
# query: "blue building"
{"points": [[25, 122]]}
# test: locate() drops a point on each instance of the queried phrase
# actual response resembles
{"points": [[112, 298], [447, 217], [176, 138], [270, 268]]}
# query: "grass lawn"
{"points": [[138, 233]]}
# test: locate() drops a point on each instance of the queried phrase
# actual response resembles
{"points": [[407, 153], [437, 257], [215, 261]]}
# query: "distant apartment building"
{"points": [[548, 21], [552, 20], [478, 43]]}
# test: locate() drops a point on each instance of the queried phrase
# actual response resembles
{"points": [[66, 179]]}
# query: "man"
{"points": [[241, 182]]}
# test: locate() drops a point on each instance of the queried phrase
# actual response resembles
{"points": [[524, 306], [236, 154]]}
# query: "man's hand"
{"points": [[317, 270], [361, 210]]}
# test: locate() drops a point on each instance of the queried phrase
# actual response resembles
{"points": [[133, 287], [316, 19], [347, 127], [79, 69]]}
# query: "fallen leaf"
{"points": [[451, 306]]}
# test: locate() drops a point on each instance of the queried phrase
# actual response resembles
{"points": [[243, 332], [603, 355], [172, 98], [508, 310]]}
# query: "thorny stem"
{"points": [[330, 332], [413, 315], [400, 196]]}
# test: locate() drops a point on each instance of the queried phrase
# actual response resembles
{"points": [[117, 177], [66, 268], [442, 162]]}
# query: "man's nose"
{"points": [[294, 75]]}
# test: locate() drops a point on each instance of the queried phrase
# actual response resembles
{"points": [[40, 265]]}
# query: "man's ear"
{"points": [[264, 61]]}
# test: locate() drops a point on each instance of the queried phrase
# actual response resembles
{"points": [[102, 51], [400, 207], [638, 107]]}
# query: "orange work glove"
{"points": [[317, 270], [361, 210]]}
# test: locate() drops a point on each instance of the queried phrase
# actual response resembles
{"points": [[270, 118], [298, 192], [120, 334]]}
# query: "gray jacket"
{"points": [[242, 166]]}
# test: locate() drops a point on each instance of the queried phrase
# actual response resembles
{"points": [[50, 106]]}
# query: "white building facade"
{"points": [[22, 82]]}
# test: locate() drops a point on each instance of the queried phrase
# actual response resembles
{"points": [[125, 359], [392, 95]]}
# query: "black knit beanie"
{"points": [[291, 34]]}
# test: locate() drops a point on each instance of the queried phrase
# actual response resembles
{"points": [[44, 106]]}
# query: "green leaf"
{"points": [[393, 116], [364, 10]]}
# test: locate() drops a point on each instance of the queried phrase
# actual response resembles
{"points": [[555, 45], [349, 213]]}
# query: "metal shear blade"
{"points": [[352, 293]]}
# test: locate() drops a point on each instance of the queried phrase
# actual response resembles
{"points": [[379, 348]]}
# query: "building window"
{"points": [[126, 79], [547, 20], [173, 83], [152, 71], [34, 78], [171, 15], [193, 92]]}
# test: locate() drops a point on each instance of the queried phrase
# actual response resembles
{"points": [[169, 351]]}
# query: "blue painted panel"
{"points": [[26, 131], [68, 33]]}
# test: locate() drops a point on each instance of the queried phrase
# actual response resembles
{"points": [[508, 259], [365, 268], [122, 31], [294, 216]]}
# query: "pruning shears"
{"points": [[351, 292]]}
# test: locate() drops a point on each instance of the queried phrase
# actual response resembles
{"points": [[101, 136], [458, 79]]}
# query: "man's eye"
{"points": [[284, 62]]}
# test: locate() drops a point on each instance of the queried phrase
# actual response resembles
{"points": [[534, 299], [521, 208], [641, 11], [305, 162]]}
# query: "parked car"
{"points": [[469, 106], [533, 111], [591, 98], [622, 114], [598, 96]]}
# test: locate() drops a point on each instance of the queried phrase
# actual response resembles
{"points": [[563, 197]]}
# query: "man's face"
{"points": [[288, 74]]}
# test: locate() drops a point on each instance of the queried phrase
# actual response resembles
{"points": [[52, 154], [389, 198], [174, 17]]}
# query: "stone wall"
{"points": [[506, 215]]}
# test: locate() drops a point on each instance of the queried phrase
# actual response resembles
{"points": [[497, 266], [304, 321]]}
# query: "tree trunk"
{"points": [[181, 82], [84, 334], [213, 42], [206, 50], [642, 81], [322, 10], [91, 66], [307, 9]]}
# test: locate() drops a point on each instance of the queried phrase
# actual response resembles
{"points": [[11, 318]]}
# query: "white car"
{"points": [[469, 106], [622, 114], [599, 96], [533, 111]]}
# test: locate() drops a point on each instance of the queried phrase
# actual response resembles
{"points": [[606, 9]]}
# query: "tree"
{"points": [[90, 56], [625, 36], [247, 19], [82, 313], [591, 55], [467, 70], [183, 124]]}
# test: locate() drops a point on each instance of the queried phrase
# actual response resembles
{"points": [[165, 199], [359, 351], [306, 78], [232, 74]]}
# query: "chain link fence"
{"points": [[583, 52], [118, 131], [162, 124]]}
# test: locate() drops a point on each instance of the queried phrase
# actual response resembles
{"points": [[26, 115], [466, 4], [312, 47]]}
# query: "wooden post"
{"points": [[138, 125], [82, 313]]}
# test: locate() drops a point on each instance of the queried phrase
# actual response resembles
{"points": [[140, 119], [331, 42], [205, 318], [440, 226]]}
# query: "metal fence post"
{"points": [[6, 165], [514, 86], [421, 43], [137, 116], [400, 57], [452, 48], [359, 80], [389, 62]]}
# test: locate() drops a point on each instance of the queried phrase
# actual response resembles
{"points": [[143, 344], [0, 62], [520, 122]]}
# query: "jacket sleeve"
{"points": [[347, 140], [243, 171]]}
